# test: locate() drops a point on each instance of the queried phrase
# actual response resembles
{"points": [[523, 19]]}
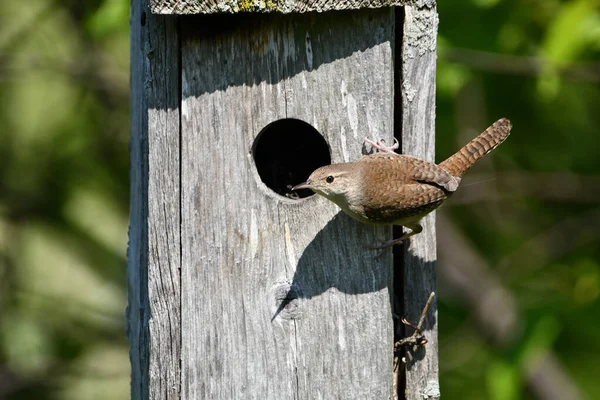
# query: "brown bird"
{"points": [[395, 189]]}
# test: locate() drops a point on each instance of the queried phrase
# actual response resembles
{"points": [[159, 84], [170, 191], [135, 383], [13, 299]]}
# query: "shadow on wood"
{"points": [[249, 49], [327, 264]]}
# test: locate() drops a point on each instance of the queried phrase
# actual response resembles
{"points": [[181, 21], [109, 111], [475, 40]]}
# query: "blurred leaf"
{"points": [[511, 37], [593, 31], [451, 77], [567, 35], [110, 17], [102, 373], [486, 3], [503, 381], [586, 289], [539, 341], [548, 84], [566, 38], [28, 346]]}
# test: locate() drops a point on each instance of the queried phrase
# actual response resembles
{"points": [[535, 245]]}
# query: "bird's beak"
{"points": [[303, 185]]}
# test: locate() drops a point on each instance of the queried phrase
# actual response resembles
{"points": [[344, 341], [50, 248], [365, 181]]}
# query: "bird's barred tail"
{"points": [[464, 159]]}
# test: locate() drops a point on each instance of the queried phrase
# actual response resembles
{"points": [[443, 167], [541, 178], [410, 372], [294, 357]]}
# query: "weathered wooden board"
{"points": [[243, 246], [418, 139], [262, 6], [153, 261]]}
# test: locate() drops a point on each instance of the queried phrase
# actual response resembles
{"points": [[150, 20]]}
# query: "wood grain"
{"points": [[262, 6], [418, 139], [244, 248], [153, 313]]}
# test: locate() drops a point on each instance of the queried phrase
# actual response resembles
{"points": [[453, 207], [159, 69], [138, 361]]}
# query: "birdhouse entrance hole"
{"points": [[286, 152]]}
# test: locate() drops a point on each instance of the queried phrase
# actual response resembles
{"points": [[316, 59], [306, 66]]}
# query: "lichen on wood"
{"points": [[266, 6]]}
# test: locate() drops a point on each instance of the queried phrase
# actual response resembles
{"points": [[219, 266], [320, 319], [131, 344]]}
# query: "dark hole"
{"points": [[286, 152]]}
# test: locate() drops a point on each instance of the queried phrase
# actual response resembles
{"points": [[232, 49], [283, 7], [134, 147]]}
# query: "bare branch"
{"points": [[417, 338], [521, 65], [559, 187]]}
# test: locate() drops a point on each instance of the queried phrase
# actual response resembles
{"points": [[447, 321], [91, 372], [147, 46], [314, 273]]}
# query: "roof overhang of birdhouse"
{"points": [[281, 6]]}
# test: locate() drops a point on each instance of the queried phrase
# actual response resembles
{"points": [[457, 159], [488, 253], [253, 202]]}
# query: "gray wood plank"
{"points": [[262, 6], [418, 139], [244, 247], [154, 239]]}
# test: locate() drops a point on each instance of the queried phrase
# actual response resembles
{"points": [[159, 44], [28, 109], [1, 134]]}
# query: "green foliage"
{"points": [[63, 199], [537, 226], [568, 36], [108, 19], [503, 380]]}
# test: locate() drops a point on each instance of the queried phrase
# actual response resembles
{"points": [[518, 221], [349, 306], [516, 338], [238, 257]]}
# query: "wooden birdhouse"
{"points": [[240, 288]]}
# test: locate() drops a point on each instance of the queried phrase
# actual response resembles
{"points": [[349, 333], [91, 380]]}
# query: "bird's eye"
{"points": [[329, 179]]}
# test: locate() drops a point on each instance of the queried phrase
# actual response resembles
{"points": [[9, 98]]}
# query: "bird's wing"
{"points": [[408, 169], [402, 201]]}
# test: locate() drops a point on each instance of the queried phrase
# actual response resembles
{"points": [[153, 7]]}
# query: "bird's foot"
{"points": [[380, 248], [386, 244], [414, 229], [380, 146]]}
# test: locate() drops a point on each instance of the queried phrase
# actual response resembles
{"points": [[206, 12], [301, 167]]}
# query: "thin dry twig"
{"points": [[417, 338]]}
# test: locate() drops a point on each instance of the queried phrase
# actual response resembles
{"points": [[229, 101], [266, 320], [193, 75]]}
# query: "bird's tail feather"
{"points": [[466, 157]]}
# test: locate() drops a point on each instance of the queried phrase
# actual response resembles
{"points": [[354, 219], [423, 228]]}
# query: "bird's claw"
{"points": [[384, 245], [380, 146]]}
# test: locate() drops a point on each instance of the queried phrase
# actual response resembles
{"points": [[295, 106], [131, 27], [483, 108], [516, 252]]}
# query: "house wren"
{"points": [[395, 189]]}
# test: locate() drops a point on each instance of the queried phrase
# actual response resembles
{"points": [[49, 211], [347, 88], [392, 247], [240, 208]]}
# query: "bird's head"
{"points": [[336, 182]]}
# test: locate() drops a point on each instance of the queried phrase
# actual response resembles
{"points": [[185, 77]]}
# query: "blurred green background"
{"points": [[519, 272]]}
